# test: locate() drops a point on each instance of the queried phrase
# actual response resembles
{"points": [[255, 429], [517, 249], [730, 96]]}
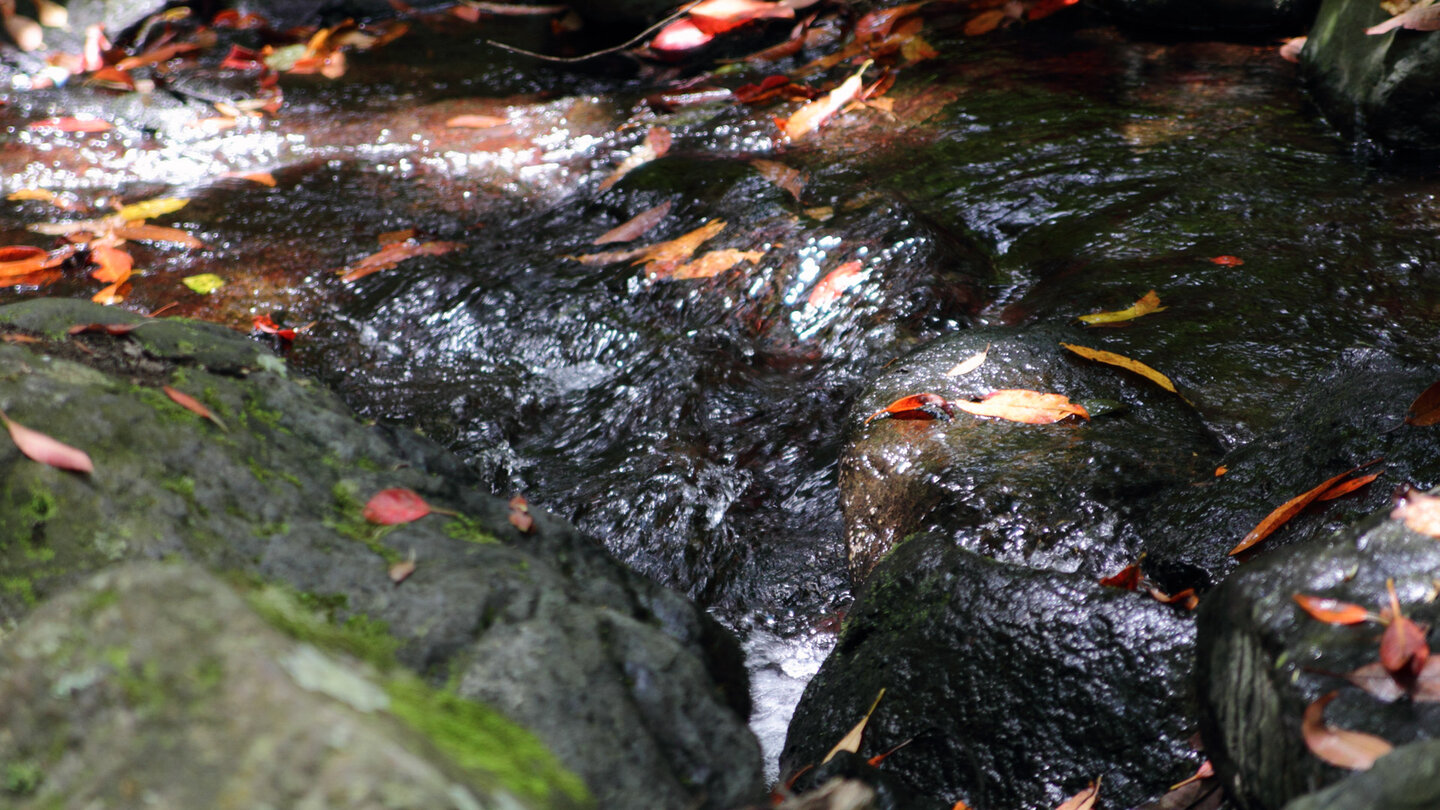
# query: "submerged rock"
{"points": [[541, 624], [1014, 687], [1047, 495], [154, 684], [1261, 660]]}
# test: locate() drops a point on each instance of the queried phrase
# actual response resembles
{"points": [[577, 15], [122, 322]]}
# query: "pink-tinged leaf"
{"points": [[192, 405], [392, 506], [39, 447], [1418, 18], [718, 16], [66, 124], [1186, 598], [520, 514], [813, 115], [476, 121], [1354, 750], [402, 570], [835, 283], [635, 227], [1291, 48], [679, 36], [1205, 771]]}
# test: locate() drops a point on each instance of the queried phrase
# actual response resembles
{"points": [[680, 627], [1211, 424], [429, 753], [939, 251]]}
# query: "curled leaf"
{"points": [[970, 363], [402, 570], [914, 406], [1186, 598], [39, 447], [812, 116], [1354, 750], [1028, 407], [1148, 303], [1403, 648], [1127, 578], [851, 741], [1282, 513], [635, 227]]}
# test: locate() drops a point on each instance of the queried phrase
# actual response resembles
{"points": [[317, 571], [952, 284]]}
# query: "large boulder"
{"points": [[1047, 495], [1406, 779], [1261, 660], [541, 624], [1014, 687], [156, 685], [1378, 89]]}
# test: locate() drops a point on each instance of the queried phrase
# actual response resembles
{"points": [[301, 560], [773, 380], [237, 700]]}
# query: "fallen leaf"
{"points": [[1084, 800], [1330, 610], [681, 248], [791, 180], [1121, 361], [1403, 648], [520, 516], [24, 32], [835, 283], [1417, 18], [810, 117], [115, 265], [392, 254], [157, 233], [1186, 598], [718, 16], [402, 570], [851, 741], [1346, 487], [51, 14], [1420, 511], [1127, 578], [29, 261], [881, 757], [112, 329], [1228, 261], [984, 22], [656, 144], [678, 36], [1354, 750], [914, 406], [1379, 683], [398, 505], [1029, 407], [110, 294], [39, 447], [67, 124], [1221, 470], [192, 404], [1148, 303], [635, 227], [263, 178], [711, 264], [876, 25], [1425, 410], [1205, 771], [149, 209], [265, 324], [1291, 48], [970, 363], [204, 283], [477, 121], [1290, 509]]}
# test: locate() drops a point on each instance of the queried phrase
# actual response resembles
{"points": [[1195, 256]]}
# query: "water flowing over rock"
{"points": [[1193, 17]]}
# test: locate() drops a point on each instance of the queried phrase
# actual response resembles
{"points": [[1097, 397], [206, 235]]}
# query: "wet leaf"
{"points": [[392, 254], [1029, 407], [1354, 750], [192, 404], [1228, 261], [392, 506], [1148, 303], [115, 265], [970, 363], [1127, 578], [791, 180], [681, 35], [851, 741], [635, 227], [1221, 470], [812, 116], [1420, 511], [157, 233], [204, 283], [984, 22], [1378, 682], [884, 755], [1121, 361], [477, 121], [1425, 410], [1346, 487], [1205, 771], [1330, 610], [263, 178], [109, 294], [24, 32], [1417, 18], [877, 24], [112, 329], [835, 283], [67, 124], [680, 249], [1186, 598], [267, 325], [656, 144], [149, 209], [711, 264], [402, 570], [1291, 48], [1282, 513], [1403, 648], [914, 406], [520, 516], [28, 261], [39, 447], [1084, 800], [718, 16]]}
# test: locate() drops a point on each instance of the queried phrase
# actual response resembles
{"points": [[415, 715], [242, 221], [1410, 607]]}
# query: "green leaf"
{"points": [[205, 283]]}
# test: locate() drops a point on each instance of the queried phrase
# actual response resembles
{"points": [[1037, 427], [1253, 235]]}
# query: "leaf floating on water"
{"points": [[39, 447], [1420, 511], [1354, 750], [157, 233], [1290, 509], [635, 227], [149, 209], [1416, 18], [1121, 361], [1148, 303], [970, 363], [914, 406], [1084, 800], [851, 741], [665, 256], [711, 264], [192, 404], [392, 254], [1330, 610], [1403, 648], [389, 507], [1028, 407], [835, 283], [1425, 410], [812, 116]]}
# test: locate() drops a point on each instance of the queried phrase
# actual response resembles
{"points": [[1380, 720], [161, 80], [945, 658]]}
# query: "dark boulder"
{"points": [[1015, 687], [1408, 778], [1209, 17]]}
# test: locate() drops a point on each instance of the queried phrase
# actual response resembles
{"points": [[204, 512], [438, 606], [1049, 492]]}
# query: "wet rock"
{"points": [[1376, 89], [1408, 778], [157, 682], [1261, 660], [1352, 414], [1235, 17], [1014, 686], [1050, 495], [542, 625]]}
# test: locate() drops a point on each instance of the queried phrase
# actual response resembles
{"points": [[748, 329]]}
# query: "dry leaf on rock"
{"points": [[1020, 405]]}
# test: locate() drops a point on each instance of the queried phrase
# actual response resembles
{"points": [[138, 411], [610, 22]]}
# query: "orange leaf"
{"points": [[635, 227], [109, 294], [1029, 407], [1425, 410], [1343, 749], [1228, 261], [1205, 771], [115, 264], [520, 514], [1128, 578], [1084, 800], [1403, 648], [791, 180], [394, 253], [915, 406], [681, 248], [1147, 303], [391, 506], [1421, 513], [656, 144], [810, 117], [1186, 598], [1290, 509], [711, 264], [1331, 610], [1221, 470], [835, 283], [114, 329], [39, 447], [984, 22], [263, 178], [1346, 487], [477, 121], [33, 262], [191, 404]]}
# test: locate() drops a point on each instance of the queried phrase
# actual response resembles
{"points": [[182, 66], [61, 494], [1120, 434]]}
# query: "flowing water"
{"points": [[692, 426]]}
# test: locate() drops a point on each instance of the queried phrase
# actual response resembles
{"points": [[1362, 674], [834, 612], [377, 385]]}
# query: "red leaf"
{"points": [[39, 447], [915, 406], [836, 282], [718, 16], [1290, 509], [1331, 610], [15, 253], [242, 59], [1228, 261], [35, 263], [391, 506], [520, 514], [265, 324], [1343, 749], [70, 124], [1403, 648], [192, 405], [1128, 578]]}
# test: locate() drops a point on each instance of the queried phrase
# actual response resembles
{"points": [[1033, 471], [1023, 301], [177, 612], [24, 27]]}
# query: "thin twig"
{"points": [[622, 46]]}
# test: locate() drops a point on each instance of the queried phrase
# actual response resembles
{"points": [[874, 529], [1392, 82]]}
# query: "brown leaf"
{"points": [[914, 406], [394, 253], [1420, 511], [1084, 800], [812, 116], [680, 249], [1330, 610], [635, 227], [1354, 750], [791, 180], [192, 404], [851, 741], [1290, 509], [1425, 410], [402, 570], [1029, 407], [656, 144], [39, 447], [1378, 682], [1403, 648]]}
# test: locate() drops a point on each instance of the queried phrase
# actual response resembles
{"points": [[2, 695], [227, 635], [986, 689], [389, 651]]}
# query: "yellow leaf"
{"points": [[851, 741], [1111, 358], [147, 209], [1148, 303]]}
